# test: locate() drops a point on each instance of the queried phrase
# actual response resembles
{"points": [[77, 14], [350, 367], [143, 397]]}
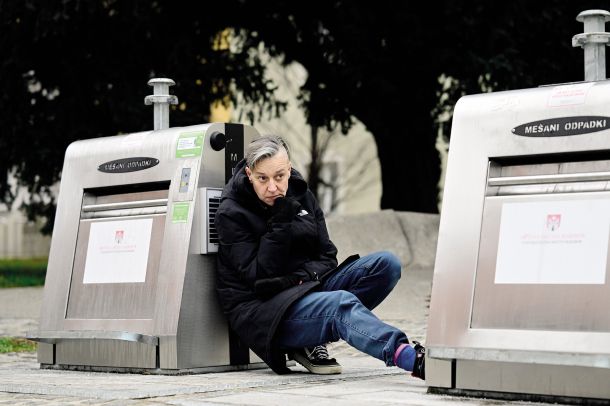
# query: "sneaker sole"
{"points": [[317, 369]]}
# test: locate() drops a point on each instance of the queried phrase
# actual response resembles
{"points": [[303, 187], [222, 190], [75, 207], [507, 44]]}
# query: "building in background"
{"points": [[20, 238], [350, 170]]}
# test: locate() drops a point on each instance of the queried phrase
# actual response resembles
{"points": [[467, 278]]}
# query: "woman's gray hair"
{"points": [[263, 148]]}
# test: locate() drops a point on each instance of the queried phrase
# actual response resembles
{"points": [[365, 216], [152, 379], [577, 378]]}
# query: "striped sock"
{"points": [[404, 357]]}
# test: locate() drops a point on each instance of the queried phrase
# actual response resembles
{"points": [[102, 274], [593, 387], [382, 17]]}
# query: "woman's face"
{"points": [[270, 177]]}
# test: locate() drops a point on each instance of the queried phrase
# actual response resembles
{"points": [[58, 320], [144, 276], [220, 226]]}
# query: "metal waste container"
{"points": [[130, 285], [521, 287]]}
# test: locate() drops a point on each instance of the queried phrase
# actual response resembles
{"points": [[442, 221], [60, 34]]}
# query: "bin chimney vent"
{"points": [[161, 99], [594, 40]]}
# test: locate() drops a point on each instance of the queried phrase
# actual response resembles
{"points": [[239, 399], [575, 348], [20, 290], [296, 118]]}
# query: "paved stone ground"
{"points": [[364, 381], [19, 310]]}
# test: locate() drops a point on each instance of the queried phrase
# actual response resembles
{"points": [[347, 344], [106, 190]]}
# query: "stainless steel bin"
{"points": [[521, 292], [130, 284]]}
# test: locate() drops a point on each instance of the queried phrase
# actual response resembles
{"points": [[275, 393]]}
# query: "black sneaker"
{"points": [[419, 368], [316, 360]]}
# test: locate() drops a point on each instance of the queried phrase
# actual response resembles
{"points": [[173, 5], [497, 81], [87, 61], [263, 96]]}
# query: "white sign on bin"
{"points": [[553, 242], [118, 251]]}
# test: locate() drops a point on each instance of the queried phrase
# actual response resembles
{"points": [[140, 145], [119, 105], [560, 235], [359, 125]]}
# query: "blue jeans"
{"points": [[342, 310]]}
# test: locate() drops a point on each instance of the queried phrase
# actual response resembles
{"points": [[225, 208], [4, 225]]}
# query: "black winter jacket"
{"points": [[251, 248]]}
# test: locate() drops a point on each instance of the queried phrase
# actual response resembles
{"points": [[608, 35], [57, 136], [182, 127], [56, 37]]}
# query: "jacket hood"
{"points": [[240, 189]]}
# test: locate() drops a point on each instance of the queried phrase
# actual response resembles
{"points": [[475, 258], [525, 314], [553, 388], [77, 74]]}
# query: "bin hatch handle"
{"points": [[125, 205], [54, 337], [541, 179]]}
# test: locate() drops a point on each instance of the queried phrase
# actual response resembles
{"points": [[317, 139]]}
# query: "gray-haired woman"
{"points": [[278, 279]]}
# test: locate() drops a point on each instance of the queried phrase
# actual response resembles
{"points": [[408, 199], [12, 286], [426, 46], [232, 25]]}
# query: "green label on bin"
{"points": [[189, 144], [180, 212]]}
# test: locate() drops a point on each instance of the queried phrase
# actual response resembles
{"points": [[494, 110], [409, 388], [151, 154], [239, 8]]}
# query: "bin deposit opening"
{"points": [[544, 244], [118, 250]]}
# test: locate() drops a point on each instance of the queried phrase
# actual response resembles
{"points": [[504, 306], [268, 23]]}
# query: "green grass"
{"points": [[22, 272], [12, 344]]}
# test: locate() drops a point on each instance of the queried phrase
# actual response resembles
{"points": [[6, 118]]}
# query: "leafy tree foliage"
{"points": [[381, 62], [78, 69], [74, 70]]}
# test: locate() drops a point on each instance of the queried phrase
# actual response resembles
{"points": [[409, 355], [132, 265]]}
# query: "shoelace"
{"points": [[420, 349], [319, 352]]}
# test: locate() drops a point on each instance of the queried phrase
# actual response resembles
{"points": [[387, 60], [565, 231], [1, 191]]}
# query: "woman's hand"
{"points": [[284, 209], [268, 287]]}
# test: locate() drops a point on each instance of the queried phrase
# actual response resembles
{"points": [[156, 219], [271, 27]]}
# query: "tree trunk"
{"points": [[315, 165], [410, 164]]}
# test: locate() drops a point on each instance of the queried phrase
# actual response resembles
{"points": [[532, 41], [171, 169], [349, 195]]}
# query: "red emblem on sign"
{"points": [[553, 221], [118, 236]]}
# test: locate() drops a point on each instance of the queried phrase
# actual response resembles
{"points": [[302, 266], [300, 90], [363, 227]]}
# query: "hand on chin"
{"points": [[271, 200]]}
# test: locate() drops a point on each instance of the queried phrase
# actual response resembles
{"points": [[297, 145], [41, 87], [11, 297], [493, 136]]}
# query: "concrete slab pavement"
{"points": [[19, 310], [365, 380]]}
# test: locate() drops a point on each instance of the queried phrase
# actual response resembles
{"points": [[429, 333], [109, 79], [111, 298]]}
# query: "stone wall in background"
{"points": [[410, 236]]}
